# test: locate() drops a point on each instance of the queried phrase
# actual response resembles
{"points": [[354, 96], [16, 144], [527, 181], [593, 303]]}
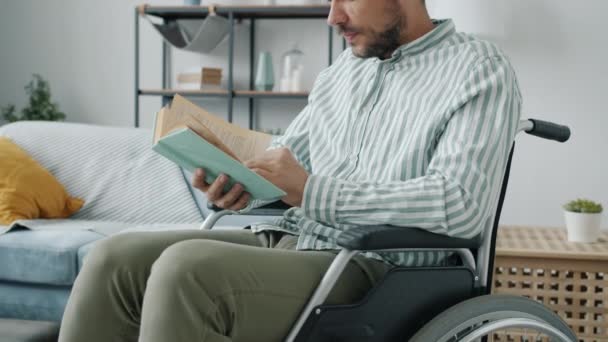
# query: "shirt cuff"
{"points": [[253, 204], [320, 198]]}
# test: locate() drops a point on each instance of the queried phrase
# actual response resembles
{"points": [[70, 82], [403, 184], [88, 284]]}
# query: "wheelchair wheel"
{"points": [[497, 318]]}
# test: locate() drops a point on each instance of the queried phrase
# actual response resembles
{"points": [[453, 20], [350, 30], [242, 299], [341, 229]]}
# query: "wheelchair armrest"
{"points": [[365, 238], [272, 209]]}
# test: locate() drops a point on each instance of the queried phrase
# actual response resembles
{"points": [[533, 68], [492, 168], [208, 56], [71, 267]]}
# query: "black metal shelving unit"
{"points": [[233, 13]]}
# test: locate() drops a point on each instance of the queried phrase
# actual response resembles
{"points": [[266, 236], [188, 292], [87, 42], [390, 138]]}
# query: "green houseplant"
{"points": [[39, 106], [583, 218]]}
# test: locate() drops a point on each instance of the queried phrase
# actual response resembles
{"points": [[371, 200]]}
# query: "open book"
{"points": [[192, 138]]}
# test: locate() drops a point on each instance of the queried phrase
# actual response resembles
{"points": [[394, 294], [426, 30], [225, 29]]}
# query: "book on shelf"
{"points": [[205, 79], [193, 138]]}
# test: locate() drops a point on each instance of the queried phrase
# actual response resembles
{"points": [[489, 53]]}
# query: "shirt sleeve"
{"points": [[460, 189], [296, 138]]}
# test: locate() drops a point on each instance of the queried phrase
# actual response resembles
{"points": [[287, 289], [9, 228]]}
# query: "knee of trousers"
{"points": [[209, 265], [112, 253]]}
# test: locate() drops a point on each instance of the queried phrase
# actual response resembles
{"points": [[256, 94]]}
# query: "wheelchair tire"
{"points": [[474, 313]]}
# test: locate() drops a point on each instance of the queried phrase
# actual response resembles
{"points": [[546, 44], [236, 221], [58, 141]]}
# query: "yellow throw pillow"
{"points": [[27, 190]]}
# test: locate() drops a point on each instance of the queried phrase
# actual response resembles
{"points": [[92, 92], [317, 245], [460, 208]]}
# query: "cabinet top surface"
{"points": [[517, 241]]}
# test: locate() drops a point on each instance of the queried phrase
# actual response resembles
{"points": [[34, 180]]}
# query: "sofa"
{"points": [[125, 187]]}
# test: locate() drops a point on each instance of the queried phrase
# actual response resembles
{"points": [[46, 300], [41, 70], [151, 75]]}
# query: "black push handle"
{"points": [[549, 130]]}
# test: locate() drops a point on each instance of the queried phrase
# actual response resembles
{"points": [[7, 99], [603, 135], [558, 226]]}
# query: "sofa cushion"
{"points": [[29, 191], [83, 251], [42, 256], [28, 331], [113, 169], [35, 302]]}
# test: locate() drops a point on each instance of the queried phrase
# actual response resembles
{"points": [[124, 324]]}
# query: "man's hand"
{"points": [[283, 170], [235, 199]]}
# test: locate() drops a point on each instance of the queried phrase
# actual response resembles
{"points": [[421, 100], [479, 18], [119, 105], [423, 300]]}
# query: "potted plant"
{"points": [[583, 220], [39, 106]]}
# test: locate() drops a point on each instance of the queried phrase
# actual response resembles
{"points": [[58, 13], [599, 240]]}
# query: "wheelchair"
{"points": [[414, 303]]}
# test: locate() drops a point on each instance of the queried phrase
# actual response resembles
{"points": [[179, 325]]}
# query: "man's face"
{"points": [[371, 27]]}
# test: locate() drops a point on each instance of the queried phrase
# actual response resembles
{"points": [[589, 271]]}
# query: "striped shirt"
{"points": [[420, 139]]}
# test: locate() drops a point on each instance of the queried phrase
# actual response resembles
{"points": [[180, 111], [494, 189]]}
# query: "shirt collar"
{"points": [[444, 28]]}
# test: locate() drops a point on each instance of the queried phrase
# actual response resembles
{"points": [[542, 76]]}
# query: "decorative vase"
{"points": [[264, 80], [582, 227], [292, 71]]}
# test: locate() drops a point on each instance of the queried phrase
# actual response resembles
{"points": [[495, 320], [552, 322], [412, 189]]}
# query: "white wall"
{"points": [[85, 49], [559, 50]]}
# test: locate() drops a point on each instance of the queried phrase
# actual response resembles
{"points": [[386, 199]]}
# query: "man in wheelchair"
{"points": [[411, 127]]}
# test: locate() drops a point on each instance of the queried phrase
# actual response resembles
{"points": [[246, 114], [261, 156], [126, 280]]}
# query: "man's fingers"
{"points": [[230, 197], [216, 189], [241, 203], [198, 180]]}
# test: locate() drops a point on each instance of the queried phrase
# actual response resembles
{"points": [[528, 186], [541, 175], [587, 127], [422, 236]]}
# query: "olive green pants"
{"points": [[219, 285]]}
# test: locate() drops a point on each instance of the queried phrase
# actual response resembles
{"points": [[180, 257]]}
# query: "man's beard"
{"points": [[383, 43]]}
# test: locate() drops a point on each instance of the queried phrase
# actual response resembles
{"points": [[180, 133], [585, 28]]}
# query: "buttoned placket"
{"points": [[383, 69]]}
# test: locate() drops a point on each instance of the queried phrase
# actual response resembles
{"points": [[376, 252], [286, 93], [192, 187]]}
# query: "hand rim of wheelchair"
{"points": [[490, 313]]}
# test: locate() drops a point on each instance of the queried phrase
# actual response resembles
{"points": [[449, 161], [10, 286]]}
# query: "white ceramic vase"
{"points": [[582, 227]]}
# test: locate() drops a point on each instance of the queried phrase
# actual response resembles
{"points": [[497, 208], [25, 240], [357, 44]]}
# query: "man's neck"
{"points": [[417, 31], [417, 23], [412, 33]]}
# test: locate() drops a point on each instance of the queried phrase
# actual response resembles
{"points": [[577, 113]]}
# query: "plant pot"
{"points": [[582, 227]]}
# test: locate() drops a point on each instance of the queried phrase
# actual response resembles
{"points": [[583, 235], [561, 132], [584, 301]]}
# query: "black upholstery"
{"points": [[403, 301], [364, 238]]}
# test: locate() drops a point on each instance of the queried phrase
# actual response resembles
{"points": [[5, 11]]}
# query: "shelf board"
{"points": [[270, 94], [184, 92], [240, 12], [224, 93]]}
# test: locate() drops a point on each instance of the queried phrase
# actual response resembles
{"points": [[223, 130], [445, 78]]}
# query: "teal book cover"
{"points": [[185, 148]]}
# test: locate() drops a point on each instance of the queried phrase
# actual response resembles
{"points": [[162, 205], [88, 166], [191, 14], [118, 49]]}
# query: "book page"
{"points": [[167, 122], [158, 125], [238, 142]]}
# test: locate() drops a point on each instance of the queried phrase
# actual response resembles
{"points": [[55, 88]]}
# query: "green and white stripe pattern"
{"points": [[417, 140]]}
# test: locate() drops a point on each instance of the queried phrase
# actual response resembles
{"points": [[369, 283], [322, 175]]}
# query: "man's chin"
{"points": [[359, 51]]}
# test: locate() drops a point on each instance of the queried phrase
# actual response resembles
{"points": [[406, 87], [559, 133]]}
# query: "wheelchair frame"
{"points": [[318, 322]]}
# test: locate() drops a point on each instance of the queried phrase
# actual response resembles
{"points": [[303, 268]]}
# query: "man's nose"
{"points": [[336, 16]]}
